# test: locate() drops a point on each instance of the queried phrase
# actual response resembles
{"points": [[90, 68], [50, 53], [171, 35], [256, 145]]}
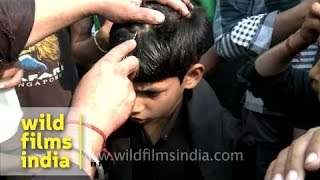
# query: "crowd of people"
{"points": [[216, 76]]}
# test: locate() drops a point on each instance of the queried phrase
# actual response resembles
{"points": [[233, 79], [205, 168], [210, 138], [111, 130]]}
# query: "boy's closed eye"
{"points": [[148, 93]]}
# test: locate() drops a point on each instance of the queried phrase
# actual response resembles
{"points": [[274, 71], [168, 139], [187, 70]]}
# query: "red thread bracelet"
{"points": [[290, 49], [90, 126]]}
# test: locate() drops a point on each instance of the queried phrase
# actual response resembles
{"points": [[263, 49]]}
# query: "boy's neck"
{"points": [[154, 129]]}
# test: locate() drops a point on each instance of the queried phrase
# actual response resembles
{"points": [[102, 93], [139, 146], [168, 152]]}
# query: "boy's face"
{"points": [[315, 75], [156, 101]]}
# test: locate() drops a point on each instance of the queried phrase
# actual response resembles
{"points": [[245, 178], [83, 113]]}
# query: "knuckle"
{"points": [[313, 129]]}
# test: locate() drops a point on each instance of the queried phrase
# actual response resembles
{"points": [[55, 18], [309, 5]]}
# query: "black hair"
{"points": [[165, 50]]}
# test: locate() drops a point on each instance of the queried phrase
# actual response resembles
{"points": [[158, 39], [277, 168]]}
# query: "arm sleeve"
{"points": [[251, 36], [16, 21]]}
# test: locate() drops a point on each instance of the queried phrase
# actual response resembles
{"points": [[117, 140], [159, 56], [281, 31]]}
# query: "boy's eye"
{"points": [[149, 94]]}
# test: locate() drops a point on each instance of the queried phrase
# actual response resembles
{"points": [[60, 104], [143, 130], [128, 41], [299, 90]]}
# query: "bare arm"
{"points": [[277, 59], [210, 59], [292, 18], [52, 15]]}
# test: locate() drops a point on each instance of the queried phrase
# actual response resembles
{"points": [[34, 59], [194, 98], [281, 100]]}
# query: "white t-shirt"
{"points": [[10, 113]]}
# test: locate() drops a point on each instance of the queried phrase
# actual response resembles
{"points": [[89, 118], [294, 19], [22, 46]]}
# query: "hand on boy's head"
{"points": [[106, 90], [182, 6], [301, 156], [10, 77], [130, 10]]}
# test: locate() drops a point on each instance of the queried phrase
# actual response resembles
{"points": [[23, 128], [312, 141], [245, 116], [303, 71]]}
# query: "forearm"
{"points": [[52, 15], [278, 58], [210, 59]]}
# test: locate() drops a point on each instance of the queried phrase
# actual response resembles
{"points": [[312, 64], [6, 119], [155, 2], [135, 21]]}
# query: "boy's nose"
{"points": [[138, 106]]}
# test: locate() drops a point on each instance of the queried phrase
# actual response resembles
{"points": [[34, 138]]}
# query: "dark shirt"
{"points": [[16, 20], [54, 86], [174, 140], [290, 91], [206, 127]]}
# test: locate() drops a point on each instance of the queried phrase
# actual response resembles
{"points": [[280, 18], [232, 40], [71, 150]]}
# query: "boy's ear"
{"points": [[193, 76]]}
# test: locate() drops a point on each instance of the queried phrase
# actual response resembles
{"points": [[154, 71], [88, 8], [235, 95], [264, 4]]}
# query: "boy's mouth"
{"points": [[137, 120]]}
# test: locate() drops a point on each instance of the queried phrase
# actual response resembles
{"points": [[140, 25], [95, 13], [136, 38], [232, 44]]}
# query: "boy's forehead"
{"points": [[143, 86], [158, 85]]}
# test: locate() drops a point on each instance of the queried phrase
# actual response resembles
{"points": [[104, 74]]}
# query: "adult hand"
{"points": [[10, 77], [106, 91], [309, 2], [130, 10], [311, 27], [301, 156], [182, 6]]}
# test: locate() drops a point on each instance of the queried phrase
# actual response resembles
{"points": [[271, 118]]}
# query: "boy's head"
{"points": [[169, 55]]}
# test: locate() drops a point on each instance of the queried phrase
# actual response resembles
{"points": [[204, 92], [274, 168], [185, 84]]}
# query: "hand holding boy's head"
{"points": [[165, 50]]}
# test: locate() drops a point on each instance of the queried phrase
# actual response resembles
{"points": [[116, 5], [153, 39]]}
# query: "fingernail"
{"points": [[191, 5], [188, 15], [311, 157], [292, 175], [159, 17], [132, 41], [278, 177]]}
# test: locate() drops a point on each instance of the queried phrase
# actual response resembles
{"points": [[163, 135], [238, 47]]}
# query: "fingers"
{"points": [[119, 52], [136, 2], [312, 160], [269, 171], [290, 163], [311, 26], [12, 80], [295, 159], [150, 16], [144, 15], [181, 6], [8, 73], [315, 9], [278, 170], [130, 66]]}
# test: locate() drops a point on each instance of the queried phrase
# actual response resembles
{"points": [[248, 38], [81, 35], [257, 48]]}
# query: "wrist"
{"points": [[87, 138], [98, 7], [100, 42], [91, 7], [86, 7]]}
